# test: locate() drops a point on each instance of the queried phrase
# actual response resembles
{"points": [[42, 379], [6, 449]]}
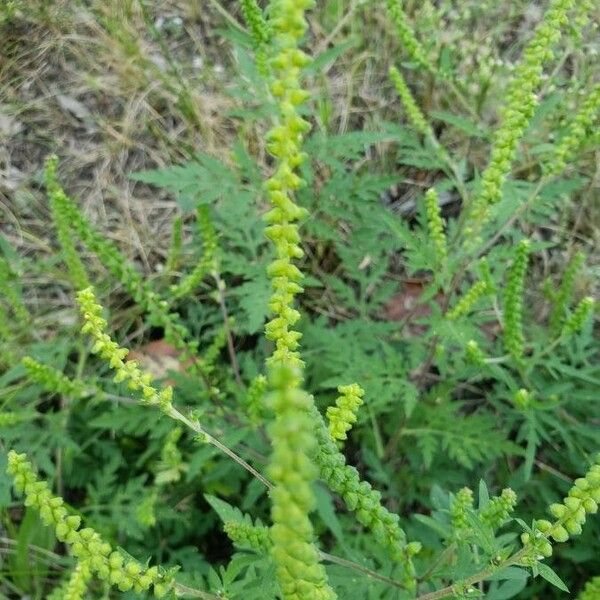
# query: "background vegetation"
{"points": [[158, 115]]}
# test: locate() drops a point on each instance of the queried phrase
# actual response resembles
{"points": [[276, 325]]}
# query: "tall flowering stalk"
{"points": [[518, 109], [300, 575]]}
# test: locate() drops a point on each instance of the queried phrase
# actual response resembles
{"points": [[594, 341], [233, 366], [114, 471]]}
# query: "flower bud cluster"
{"points": [[342, 416], [435, 225], [53, 380], [466, 303], [259, 29], [108, 350], [77, 585], [247, 535], [591, 591], [299, 573], [8, 292], [109, 255], [577, 131], [474, 353], [460, 507], [407, 37], [583, 499], [94, 554], [284, 144], [498, 509], [362, 499], [565, 291], [255, 398], [207, 262], [413, 112], [292, 471], [522, 398], [513, 302], [520, 103], [59, 205], [580, 315]]}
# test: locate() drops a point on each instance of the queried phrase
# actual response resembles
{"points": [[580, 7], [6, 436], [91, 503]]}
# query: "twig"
{"points": [[230, 347]]}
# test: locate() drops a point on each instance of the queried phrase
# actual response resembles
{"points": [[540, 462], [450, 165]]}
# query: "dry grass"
{"points": [[113, 87]]}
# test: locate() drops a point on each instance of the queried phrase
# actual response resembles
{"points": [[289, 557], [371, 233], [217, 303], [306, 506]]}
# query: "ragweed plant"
{"points": [[470, 379]]}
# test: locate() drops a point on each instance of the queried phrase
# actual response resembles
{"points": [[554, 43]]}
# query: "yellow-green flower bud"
{"points": [[563, 296], [361, 498], [342, 416], [8, 292], [522, 398], [591, 591], [59, 205], [246, 535], [578, 129], [52, 380], [466, 303], [580, 315], [413, 112], [95, 556], [460, 507], [474, 353], [407, 37], [499, 508], [518, 109], [114, 356], [207, 264], [435, 225], [299, 572]]}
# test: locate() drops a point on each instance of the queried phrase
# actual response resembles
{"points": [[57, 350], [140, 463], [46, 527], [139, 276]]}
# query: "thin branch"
{"points": [[355, 566], [474, 579]]}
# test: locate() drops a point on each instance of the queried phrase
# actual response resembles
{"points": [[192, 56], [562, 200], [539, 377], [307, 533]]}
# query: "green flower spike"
{"points": [[522, 398], [466, 303], [53, 380], [299, 573], [107, 349], [77, 585], [255, 398], [513, 302], [342, 416], [570, 515], [474, 354], [86, 544], [175, 247], [362, 499], [259, 32], [460, 506], [518, 109], [284, 142], [110, 256], [413, 112], [435, 225], [407, 37], [580, 315], [591, 591], [565, 291], [207, 264], [8, 292], [59, 205], [499, 509], [579, 128], [247, 535]]}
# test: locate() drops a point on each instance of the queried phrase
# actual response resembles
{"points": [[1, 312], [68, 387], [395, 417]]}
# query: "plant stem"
{"points": [[194, 425], [230, 347], [480, 576], [355, 566]]}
